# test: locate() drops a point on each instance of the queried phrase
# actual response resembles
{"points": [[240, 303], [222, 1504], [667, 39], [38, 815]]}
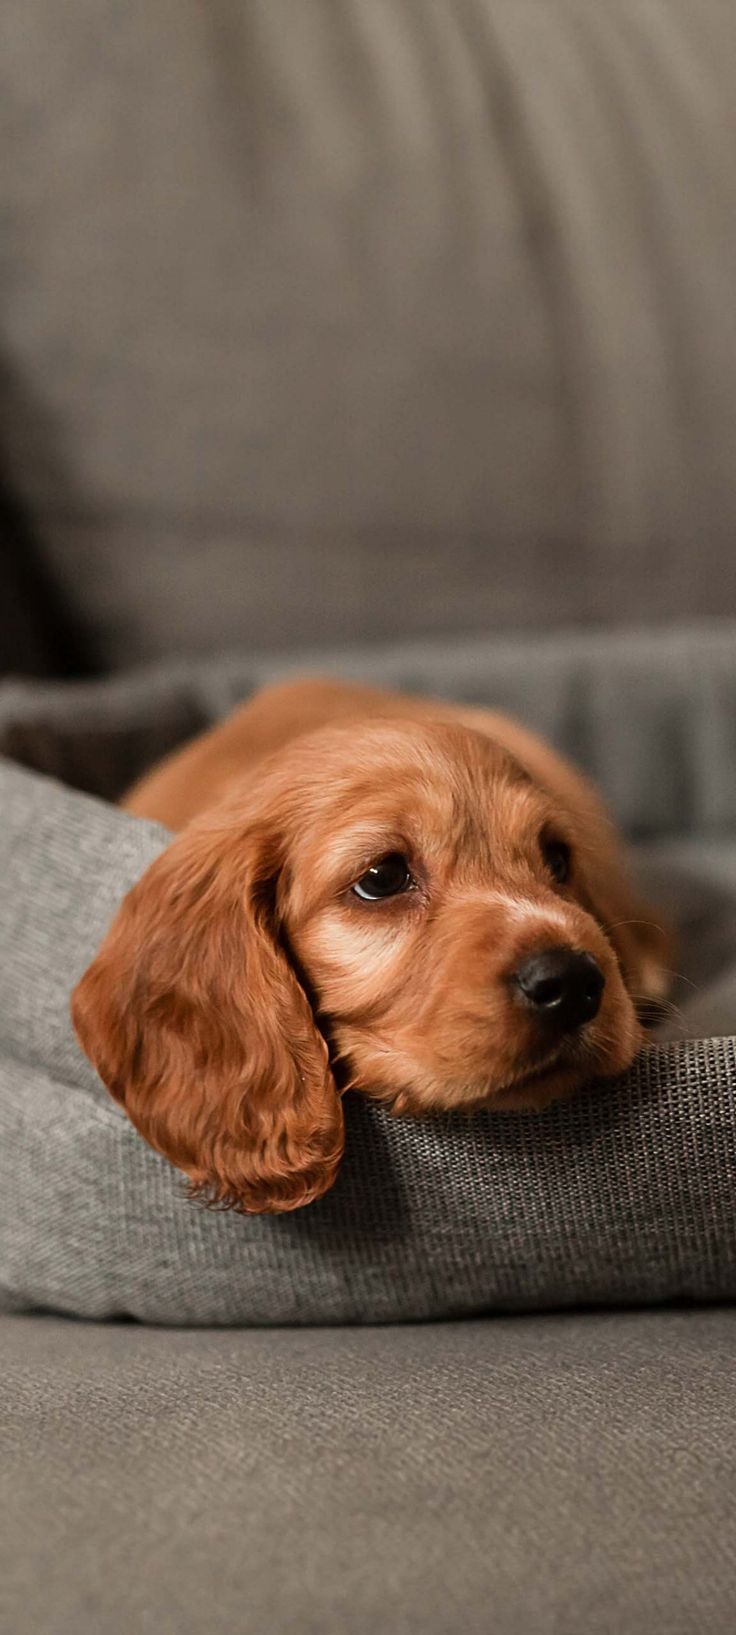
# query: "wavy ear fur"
{"points": [[197, 1024]]}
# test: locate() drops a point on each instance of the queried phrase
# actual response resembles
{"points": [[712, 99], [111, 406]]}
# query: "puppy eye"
{"points": [[557, 856], [386, 878]]}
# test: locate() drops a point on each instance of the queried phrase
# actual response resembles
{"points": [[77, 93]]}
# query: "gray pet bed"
{"points": [[625, 1195]]}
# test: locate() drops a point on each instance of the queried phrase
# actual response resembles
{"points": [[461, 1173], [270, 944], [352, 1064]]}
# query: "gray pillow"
{"points": [[623, 1195]]}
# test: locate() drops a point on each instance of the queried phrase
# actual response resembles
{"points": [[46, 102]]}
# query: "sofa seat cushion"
{"points": [[544, 1473]]}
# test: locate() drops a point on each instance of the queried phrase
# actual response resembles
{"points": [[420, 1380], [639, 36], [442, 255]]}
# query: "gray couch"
{"points": [[395, 340]]}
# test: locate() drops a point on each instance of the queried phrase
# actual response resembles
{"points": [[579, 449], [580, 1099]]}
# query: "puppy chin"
{"points": [[534, 1094], [563, 1079], [606, 1053]]}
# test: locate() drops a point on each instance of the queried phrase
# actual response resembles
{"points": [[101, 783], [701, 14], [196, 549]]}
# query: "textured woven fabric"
{"points": [[542, 1476], [650, 713], [625, 1194], [370, 318]]}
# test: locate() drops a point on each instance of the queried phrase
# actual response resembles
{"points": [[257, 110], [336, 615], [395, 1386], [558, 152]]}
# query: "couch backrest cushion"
{"points": [[329, 321]]}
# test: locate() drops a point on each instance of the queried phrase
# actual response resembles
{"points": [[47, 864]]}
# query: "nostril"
{"points": [[562, 984], [544, 991]]}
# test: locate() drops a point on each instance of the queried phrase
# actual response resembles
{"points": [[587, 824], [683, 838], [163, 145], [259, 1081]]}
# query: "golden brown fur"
{"points": [[243, 986]]}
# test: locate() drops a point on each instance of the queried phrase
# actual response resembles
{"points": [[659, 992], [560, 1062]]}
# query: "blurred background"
{"points": [[329, 322]]}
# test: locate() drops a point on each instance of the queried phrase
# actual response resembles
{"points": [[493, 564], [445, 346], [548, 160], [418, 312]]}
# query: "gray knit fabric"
{"points": [[650, 713], [623, 1195]]}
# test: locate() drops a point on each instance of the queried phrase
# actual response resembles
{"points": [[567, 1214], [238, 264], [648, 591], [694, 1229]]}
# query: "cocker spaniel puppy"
{"points": [[370, 892]]}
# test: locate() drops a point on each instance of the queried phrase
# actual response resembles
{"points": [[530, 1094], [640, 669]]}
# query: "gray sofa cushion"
{"points": [[400, 317], [540, 1476], [623, 1195]]}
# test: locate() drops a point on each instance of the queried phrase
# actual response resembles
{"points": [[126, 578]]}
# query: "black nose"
{"points": [[562, 986]]}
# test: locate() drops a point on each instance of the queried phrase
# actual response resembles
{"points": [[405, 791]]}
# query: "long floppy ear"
{"points": [[197, 1024]]}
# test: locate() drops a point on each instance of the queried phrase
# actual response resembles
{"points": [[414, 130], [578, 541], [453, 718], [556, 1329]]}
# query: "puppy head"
{"points": [[395, 908]]}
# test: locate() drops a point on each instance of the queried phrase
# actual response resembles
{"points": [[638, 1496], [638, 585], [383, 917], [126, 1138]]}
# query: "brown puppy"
{"points": [[386, 894]]}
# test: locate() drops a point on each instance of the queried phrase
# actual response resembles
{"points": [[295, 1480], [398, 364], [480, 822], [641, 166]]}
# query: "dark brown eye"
{"points": [[386, 878], [557, 856]]}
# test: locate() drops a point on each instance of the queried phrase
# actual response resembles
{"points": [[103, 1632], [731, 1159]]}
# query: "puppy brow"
{"points": [[356, 848]]}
